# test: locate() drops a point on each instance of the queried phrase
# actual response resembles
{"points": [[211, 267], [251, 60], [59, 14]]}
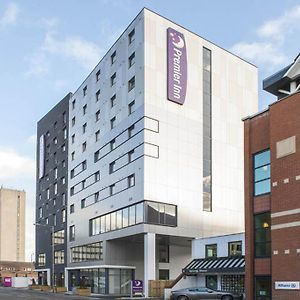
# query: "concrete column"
{"points": [[149, 260], [67, 279]]}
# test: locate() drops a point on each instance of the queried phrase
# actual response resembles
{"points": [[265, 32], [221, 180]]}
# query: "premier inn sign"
{"points": [[177, 66]]}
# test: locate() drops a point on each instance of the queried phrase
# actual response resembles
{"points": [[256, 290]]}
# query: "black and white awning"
{"points": [[216, 265]]}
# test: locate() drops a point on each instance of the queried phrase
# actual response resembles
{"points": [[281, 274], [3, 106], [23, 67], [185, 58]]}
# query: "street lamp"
{"points": [[52, 237]]}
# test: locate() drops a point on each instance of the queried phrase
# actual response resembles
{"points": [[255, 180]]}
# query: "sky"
{"points": [[47, 48]]}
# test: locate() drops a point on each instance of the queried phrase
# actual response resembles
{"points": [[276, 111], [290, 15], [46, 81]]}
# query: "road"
{"points": [[24, 294]]}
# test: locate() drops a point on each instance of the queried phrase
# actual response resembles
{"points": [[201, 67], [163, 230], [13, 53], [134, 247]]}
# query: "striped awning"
{"points": [[216, 265]]}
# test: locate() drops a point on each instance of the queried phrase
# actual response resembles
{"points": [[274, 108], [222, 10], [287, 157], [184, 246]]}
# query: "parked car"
{"points": [[203, 293]]}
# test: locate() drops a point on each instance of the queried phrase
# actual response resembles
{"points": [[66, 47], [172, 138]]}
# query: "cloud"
{"points": [[261, 53], [31, 140], [279, 27], [86, 53], [38, 64], [13, 165], [9, 16]]}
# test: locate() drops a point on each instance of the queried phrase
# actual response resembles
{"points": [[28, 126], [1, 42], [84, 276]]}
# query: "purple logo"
{"points": [[177, 66], [137, 286]]}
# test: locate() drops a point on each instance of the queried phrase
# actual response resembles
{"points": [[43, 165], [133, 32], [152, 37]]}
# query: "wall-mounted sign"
{"points": [[137, 286], [42, 157], [177, 66], [7, 282], [287, 285]]}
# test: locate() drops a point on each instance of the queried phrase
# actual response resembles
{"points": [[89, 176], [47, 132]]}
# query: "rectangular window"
{"points": [[63, 199], [63, 180], [96, 196], [163, 274], [262, 235], [98, 75], [55, 188], [131, 60], [131, 36], [84, 109], [112, 189], [73, 104], [131, 84], [131, 180], [211, 250], [72, 209], [131, 107], [84, 91], [113, 101], [83, 147], [72, 233], [40, 212], [54, 219], [73, 138], [130, 156], [59, 257], [207, 144], [112, 144], [97, 135], [112, 166], [55, 173], [59, 237], [64, 117], [113, 79], [97, 176], [263, 287], [63, 215], [42, 259], [130, 131], [73, 155], [82, 203], [262, 173], [97, 115], [89, 252], [113, 57], [235, 248], [96, 156], [84, 126], [163, 254], [97, 95], [112, 123], [73, 121], [65, 133]]}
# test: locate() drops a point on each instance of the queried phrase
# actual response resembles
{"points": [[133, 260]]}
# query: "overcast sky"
{"points": [[48, 47]]}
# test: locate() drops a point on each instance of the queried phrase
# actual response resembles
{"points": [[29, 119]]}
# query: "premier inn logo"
{"points": [[177, 66]]}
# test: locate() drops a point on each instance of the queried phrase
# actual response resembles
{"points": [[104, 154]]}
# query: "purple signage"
{"points": [[7, 282], [177, 66], [137, 286]]}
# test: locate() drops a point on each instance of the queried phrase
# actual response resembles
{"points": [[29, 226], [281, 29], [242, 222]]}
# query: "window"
{"points": [[64, 117], [263, 287], [113, 101], [131, 60], [72, 208], [96, 196], [211, 250], [97, 135], [112, 189], [59, 257], [59, 237], [63, 215], [73, 155], [65, 133], [160, 213], [130, 156], [112, 167], [73, 121], [42, 259], [97, 115], [262, 181], [131, 180], [96, 156], [262, 235], [73, 104], [130, 131], [47, 221], [73, 138], [55, 173], [163, 254], [40, 212], [55, 188], [47, 134], [84, 91], [54, 219], [113, 57], [113, 79], [98, 95], [112, 144], [55, 140], [131, 84], [54, 201], [84, 165], [63, 148], [131, 107], [211, 282], [88, 252], [163, 274], [98, 75], [131, 36], [63, 180], [83, 147], [235, 248], [97, 176], [113, 123], [83, 184], [72, 191], [82, 203], [63, 199], [55, 125], [84, 126], [63, 163], [72, 233], [84, 109]]}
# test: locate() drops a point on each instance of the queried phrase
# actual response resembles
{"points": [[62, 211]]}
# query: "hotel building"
{"points": [[272, 187], [155, 155]]}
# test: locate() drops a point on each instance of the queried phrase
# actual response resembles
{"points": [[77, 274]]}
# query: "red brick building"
{"points": [[272, 192]]}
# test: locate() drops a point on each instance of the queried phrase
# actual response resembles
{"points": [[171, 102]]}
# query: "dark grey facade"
{"points": [[51, 192]]}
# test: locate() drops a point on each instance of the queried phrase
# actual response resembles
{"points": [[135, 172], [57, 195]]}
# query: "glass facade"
{"points": [[262, 232], [207, 145], [142, 212], [262, 173], [86, 252]]}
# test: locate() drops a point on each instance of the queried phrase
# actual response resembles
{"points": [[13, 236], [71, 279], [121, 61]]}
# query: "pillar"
{"points": [[149, 260]]}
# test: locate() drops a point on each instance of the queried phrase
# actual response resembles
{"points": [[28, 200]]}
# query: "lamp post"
{"points": [[52, 238]]}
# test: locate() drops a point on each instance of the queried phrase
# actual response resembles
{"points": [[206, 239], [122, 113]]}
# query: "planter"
{"points": [[60, 289], [83, 292], [35, 287], [46, 288]]}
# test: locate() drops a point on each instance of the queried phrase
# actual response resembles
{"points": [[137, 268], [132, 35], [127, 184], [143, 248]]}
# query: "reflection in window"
{"points": [[262, 173], [262, 238], [86, 252]]}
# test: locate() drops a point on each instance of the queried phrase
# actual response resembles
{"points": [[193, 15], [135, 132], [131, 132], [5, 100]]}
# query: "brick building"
{"points": [[272, 189]]}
